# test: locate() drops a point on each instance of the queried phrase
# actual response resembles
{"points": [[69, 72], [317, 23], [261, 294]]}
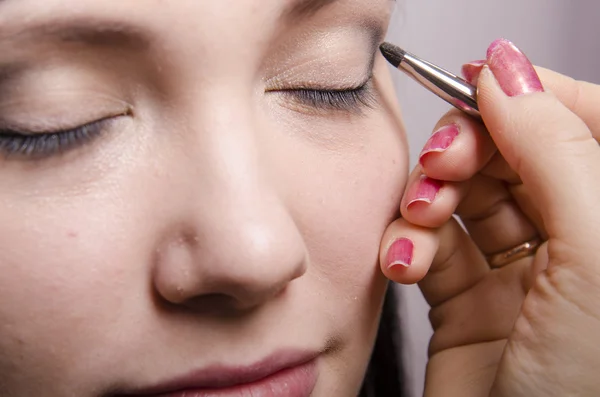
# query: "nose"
{"points": [[233, 244]]}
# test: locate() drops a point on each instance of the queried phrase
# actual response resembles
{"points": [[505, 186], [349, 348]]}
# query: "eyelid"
{"points": [[41, 145], [281, 81], [343, 89], [15, 129], [318, 86]]}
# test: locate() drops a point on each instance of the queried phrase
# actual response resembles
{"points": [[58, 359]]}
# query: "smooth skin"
{"points": [[532, 327], [219, 218]]}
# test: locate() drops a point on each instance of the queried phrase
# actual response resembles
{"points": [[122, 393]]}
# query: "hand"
{"points": [[528, 327]]}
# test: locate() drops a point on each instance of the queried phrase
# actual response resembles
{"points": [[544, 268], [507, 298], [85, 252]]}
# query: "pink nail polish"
{"points": [[440, 140], [471, 70], [400, 253], [512, 69], [424, 191]]}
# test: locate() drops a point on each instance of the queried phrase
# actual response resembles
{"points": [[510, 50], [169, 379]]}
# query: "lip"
{"points": [[286, 373]]}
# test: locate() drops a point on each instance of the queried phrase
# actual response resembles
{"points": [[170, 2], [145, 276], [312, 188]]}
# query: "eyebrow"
{"points": [[88, 31], [302, 8]]}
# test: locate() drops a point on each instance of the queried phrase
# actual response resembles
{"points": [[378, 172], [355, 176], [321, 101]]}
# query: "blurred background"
{"points": [[557, 34]]}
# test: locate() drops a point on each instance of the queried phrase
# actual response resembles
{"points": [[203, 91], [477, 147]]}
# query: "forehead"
{"points": [[233, 14], [182, 26]]}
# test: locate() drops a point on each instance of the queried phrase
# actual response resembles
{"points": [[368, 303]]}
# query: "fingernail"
{"points": [[470, 70], [512, 69], [424, 191], [400, 253], [440, 140]]}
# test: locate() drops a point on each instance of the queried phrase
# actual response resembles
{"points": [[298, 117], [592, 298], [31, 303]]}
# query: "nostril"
{"points": [[214, 305], [223, 305]]}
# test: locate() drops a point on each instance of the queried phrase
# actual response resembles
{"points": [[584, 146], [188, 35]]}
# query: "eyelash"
{"points": [[40, 145], [346, 99]]}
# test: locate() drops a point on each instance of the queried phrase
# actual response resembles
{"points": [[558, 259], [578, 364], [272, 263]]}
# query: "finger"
{"points": [[551, 148], [458, 148], [528, 203], [457, 265], [467, 372], [429, 202], [580, 97], [498, 168], [407, 251], [493, 218], [494, 302]]}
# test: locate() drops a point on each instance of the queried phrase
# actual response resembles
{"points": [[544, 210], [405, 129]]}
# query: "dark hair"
{"points": [[385, 375]]}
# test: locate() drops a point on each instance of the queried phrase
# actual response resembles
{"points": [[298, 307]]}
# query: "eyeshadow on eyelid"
{"points": [[345, 57]]}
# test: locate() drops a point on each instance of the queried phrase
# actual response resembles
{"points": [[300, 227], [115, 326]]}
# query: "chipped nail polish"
{"points": [[440, 140], [424, 191], [400, 253], [470, 71], [513, 70]]}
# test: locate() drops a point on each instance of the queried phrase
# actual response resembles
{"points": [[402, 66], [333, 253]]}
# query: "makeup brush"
{"points": [[449, 87]]}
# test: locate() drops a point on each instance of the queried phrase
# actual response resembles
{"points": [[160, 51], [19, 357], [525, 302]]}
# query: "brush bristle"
{"points": [[394, 54]]}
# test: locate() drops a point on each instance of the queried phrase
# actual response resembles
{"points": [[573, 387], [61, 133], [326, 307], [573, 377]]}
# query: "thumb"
{"points": [[550, 147]]}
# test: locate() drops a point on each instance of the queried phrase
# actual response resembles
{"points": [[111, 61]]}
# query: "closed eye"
{"points": [[28, 144], [347, 99], [354, 99]]}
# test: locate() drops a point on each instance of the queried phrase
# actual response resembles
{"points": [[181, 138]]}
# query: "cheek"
{"points": [[355, 199], [56, 264], [62, 262], [342, 197]]}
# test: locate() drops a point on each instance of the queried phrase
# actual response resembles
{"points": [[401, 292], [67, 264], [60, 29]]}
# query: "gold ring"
{"points": [[520, 251]]}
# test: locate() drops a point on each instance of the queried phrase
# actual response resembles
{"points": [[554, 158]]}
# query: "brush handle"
{"points": [[449, 87]]}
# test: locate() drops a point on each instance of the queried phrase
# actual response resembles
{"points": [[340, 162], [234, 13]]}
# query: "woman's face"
{"points": [[192, 194]]}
